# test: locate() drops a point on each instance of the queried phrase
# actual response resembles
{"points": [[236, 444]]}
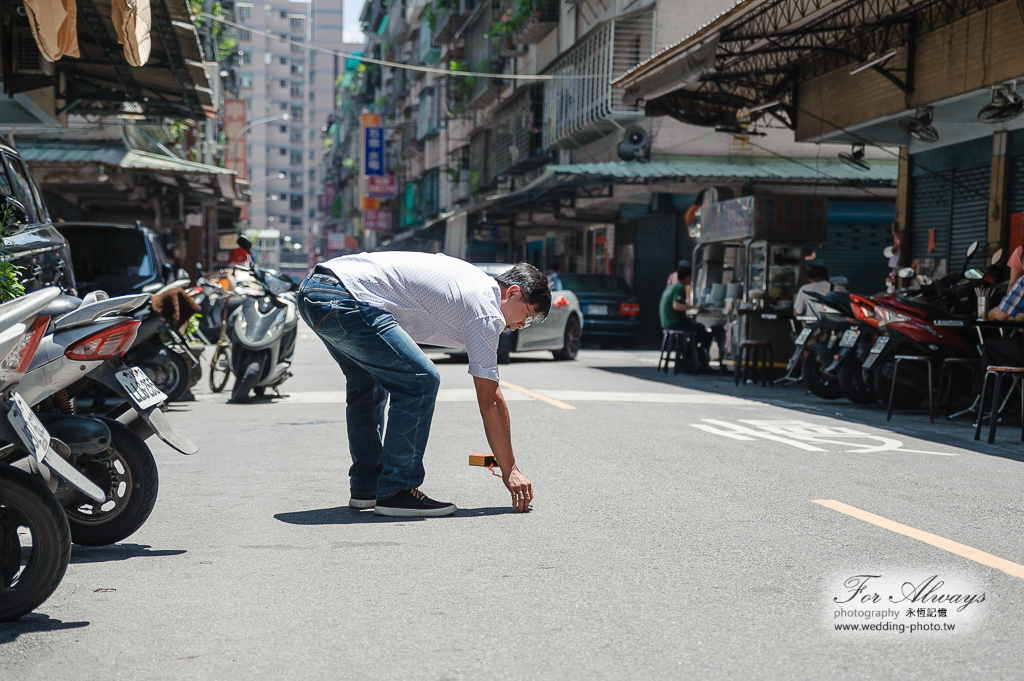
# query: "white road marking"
{"points": [[800, 434]]}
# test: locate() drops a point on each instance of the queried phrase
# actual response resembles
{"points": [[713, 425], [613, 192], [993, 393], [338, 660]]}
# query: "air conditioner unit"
{"points": [[28, 60]]}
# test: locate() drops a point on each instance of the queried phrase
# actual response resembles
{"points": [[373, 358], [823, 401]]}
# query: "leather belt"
{"points": [[328, 276]]}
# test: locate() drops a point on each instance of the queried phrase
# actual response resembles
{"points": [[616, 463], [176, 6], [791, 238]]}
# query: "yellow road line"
{"points": [[538, 396], [935, 540]]}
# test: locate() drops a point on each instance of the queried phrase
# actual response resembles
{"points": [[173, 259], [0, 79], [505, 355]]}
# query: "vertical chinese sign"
{"points": [[235, 155], [372, 165]]}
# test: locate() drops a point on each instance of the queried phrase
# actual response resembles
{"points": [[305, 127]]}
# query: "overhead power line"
{"points": [[409, 67]]}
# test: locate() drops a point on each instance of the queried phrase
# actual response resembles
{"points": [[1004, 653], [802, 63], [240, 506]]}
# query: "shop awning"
{"points": [[172, 83], [753, 55], [576, 180], [64, 157]]}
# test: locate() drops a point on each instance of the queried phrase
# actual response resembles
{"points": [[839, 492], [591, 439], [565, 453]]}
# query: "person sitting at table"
{"points": [[1002, 351], [675, 302], [817, 275]]}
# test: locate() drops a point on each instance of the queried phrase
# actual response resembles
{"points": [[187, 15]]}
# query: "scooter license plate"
{"points": [[879, 345], [142, 390], [849, 338], [804, 335], [32, 432]]}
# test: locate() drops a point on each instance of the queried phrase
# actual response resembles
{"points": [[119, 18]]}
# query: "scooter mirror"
{"points": [[972, 249], [996, 257], [906, 273], [889, 251], [244, 242], [925, 280], [973, 274]]}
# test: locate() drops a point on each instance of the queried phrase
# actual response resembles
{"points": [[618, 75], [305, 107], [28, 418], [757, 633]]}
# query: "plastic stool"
{"points": [[998, 373], [682, 343], [755, 352], [892, 388]]}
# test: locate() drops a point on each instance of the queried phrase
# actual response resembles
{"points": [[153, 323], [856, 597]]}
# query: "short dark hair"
{"points": [[817, 272], [683, 272], [533, 283]]}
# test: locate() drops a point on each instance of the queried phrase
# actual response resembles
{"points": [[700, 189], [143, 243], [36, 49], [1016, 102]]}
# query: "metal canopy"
{"points": [[173, 83], [757, 52], [595, 180]]}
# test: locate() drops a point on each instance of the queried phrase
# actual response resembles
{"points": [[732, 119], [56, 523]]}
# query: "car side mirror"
{"points": [[16, 215]]}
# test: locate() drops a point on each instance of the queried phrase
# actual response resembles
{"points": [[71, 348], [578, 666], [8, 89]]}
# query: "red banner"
{"points": [[377, 220], [234, 121]]}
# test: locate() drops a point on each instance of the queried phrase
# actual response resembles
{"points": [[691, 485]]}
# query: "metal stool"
{"points": [[682, 343], [998, 373], [892, 388], [759, 353], [948, 366]]}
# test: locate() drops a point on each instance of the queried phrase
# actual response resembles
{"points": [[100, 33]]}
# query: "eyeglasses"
{"points": [[529, 315]]}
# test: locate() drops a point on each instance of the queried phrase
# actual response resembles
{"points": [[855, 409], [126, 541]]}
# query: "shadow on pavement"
{"points": [[106, 554], [343, 515], [32, 623], [959, 433]]}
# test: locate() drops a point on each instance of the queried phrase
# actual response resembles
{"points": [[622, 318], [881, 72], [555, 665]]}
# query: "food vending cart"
{"points": [[748, 266]]}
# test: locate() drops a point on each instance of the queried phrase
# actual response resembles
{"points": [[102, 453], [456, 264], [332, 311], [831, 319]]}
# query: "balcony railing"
{"points": [[481, 57], [428, 49], [581, 106], [449, 17], [543, 20]]}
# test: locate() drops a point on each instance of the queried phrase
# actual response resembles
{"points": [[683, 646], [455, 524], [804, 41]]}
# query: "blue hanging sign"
{"points": [[373, 156]]}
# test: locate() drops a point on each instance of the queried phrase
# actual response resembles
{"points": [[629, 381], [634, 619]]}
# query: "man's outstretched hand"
{"points": [[519, 486]]}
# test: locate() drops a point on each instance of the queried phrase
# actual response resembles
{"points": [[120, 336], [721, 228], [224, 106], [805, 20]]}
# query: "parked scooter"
{"points": [[262, 331], [832, 332], [930, 321], [162, 353], [35, 539], [84, 346]]}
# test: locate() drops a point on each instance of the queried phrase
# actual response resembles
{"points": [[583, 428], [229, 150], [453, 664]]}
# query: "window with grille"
{"points": [[480, 159], [296, 113], [296, 158], [244, 35], [296, 136], [245, 80], [578, 111], [517, 125], [296, 202], [298, 67], [297, 44], [298, 24], [426, 115], [296, 90], [246, 58], [244, 11], [480, 56], [297, 179]]}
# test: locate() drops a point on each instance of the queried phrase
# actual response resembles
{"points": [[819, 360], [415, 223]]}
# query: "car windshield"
{"points": [[108, 258], [594, 283]]}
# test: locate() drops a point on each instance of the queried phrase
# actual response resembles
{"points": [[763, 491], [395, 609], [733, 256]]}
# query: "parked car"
{"points": [[559, 332], [117, 259], [612, 311], [33, 243]]}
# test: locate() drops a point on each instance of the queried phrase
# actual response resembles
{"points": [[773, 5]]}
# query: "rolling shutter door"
{"points": [[930, 209], [971, 190], [854, 251], [654, 259]]}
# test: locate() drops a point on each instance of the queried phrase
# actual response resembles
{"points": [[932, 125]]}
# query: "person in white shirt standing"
{"points": [[371, 310], [819, 283]]}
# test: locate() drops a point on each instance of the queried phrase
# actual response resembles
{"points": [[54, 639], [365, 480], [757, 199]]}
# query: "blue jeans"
{"points": [[378, 359]]}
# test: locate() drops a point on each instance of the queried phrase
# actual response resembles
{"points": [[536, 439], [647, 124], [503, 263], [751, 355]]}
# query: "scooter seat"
{"points": [[60, 306]]}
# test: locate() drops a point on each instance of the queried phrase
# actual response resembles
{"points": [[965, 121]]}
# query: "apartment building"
{"points": [[288, 66]]}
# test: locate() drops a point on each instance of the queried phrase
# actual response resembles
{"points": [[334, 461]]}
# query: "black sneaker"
{"points": [[362, 502], [412, 503]]}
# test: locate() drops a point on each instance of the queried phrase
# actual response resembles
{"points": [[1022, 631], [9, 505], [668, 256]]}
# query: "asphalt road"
{"points": [[682, 528]]}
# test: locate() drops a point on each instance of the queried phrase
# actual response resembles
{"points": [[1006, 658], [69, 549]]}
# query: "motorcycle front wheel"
{"points": [[817, 381], [168, 370], [244, 381], [35, 543], [855, 387], [127, 474]]}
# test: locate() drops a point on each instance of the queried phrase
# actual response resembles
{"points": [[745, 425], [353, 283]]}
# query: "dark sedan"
{"points": [[611, 313]]}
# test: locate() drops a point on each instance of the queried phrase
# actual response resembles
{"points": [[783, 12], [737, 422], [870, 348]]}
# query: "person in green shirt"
{"points": [[672, 309]]}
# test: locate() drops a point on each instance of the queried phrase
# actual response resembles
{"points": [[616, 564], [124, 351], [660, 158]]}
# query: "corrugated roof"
{"points": [[114, 155], [796, 169]]}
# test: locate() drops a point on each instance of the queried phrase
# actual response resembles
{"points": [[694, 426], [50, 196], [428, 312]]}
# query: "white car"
{"points": [[559, 332]]}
